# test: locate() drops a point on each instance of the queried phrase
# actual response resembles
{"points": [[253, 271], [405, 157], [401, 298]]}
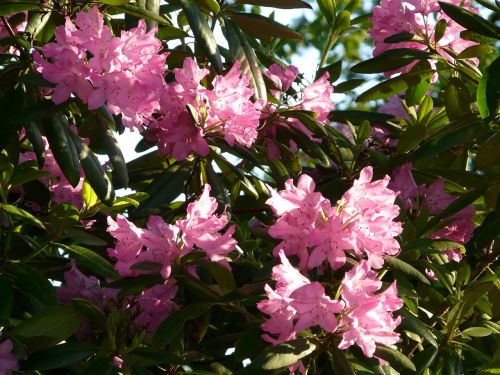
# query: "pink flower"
{"points": [[155, 305], [317, 98], [8, 362], [368, 212], [282, 77], [123, 73], [295, 304], [226, 111], [393, 17], [403, 183], [330, 241], [201, 229], [315, 308], [300, 211], [368, 315], [156, 244]]}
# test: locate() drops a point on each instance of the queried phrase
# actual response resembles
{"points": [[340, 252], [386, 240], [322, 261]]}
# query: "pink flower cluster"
{"points": [[8, 362], [123, 73], [418, 17], [315, 231], [160, 243], [59, 186], [413, 198], [225, 110], [368, 315]]}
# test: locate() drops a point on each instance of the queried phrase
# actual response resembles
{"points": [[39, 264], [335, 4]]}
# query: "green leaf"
{"points": [[390, 60], [36, 286], [411, 138], [142, 13], [91, 260], [356, 116], [476, 51], [35, 137], [283, 4], [488, 157], [89, 196], [470, 298], [26, 172], [146, 358], [415, 93], [283, 355], [327, 7], [406, 269], [94, 173], [439, 30], [395, 85], [163, 190], [397, 38], [456, 99], [111, 147], [470, 21], [20, 214], [423, 360], [224, 277], [414, 324], [458, 135], [334, 70], [348, 85], [170, 32], [241, 51], [202, 33], [63, 217], [114, 2], [342, 21], [59, 356], [170, 327], [395, 358], [7, 293], [57, 323], [340, 363], [488, 95], [209, 5], [477, 332], [10, 7], [261, 27], [63, 149]]}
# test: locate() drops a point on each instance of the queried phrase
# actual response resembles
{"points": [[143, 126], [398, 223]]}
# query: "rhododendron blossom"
{"points": [[8, 362], [368, 317], [460, 225], [314, 231], [295, 304], [123, 73], [417, 17], [225, 111]]}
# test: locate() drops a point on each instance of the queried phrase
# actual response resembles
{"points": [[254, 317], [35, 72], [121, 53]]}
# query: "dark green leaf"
{"points": [[401, 37], [94, 173], [202, 33], [63, 217], [334, 70], [10, 7], [283, 4], [57, 323], [470, 21], [283, 355], [414, 324], [476, 51], [20, 214], [26, 172], [241, 51], [170, 327], [390, 60], [488, 156], [35, 137], [142, 13], [59, 356], [395, 85], [439, 30], [340, 363], [406, 269], [348, 85], [7, 293], [356, 116], [63, 149], [456, 99], [411, 138], [395, 358], [488, 95], [91, 260], [263, 27]]}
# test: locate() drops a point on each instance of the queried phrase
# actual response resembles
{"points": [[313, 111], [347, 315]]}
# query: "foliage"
{"points": [[173, 262]]}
